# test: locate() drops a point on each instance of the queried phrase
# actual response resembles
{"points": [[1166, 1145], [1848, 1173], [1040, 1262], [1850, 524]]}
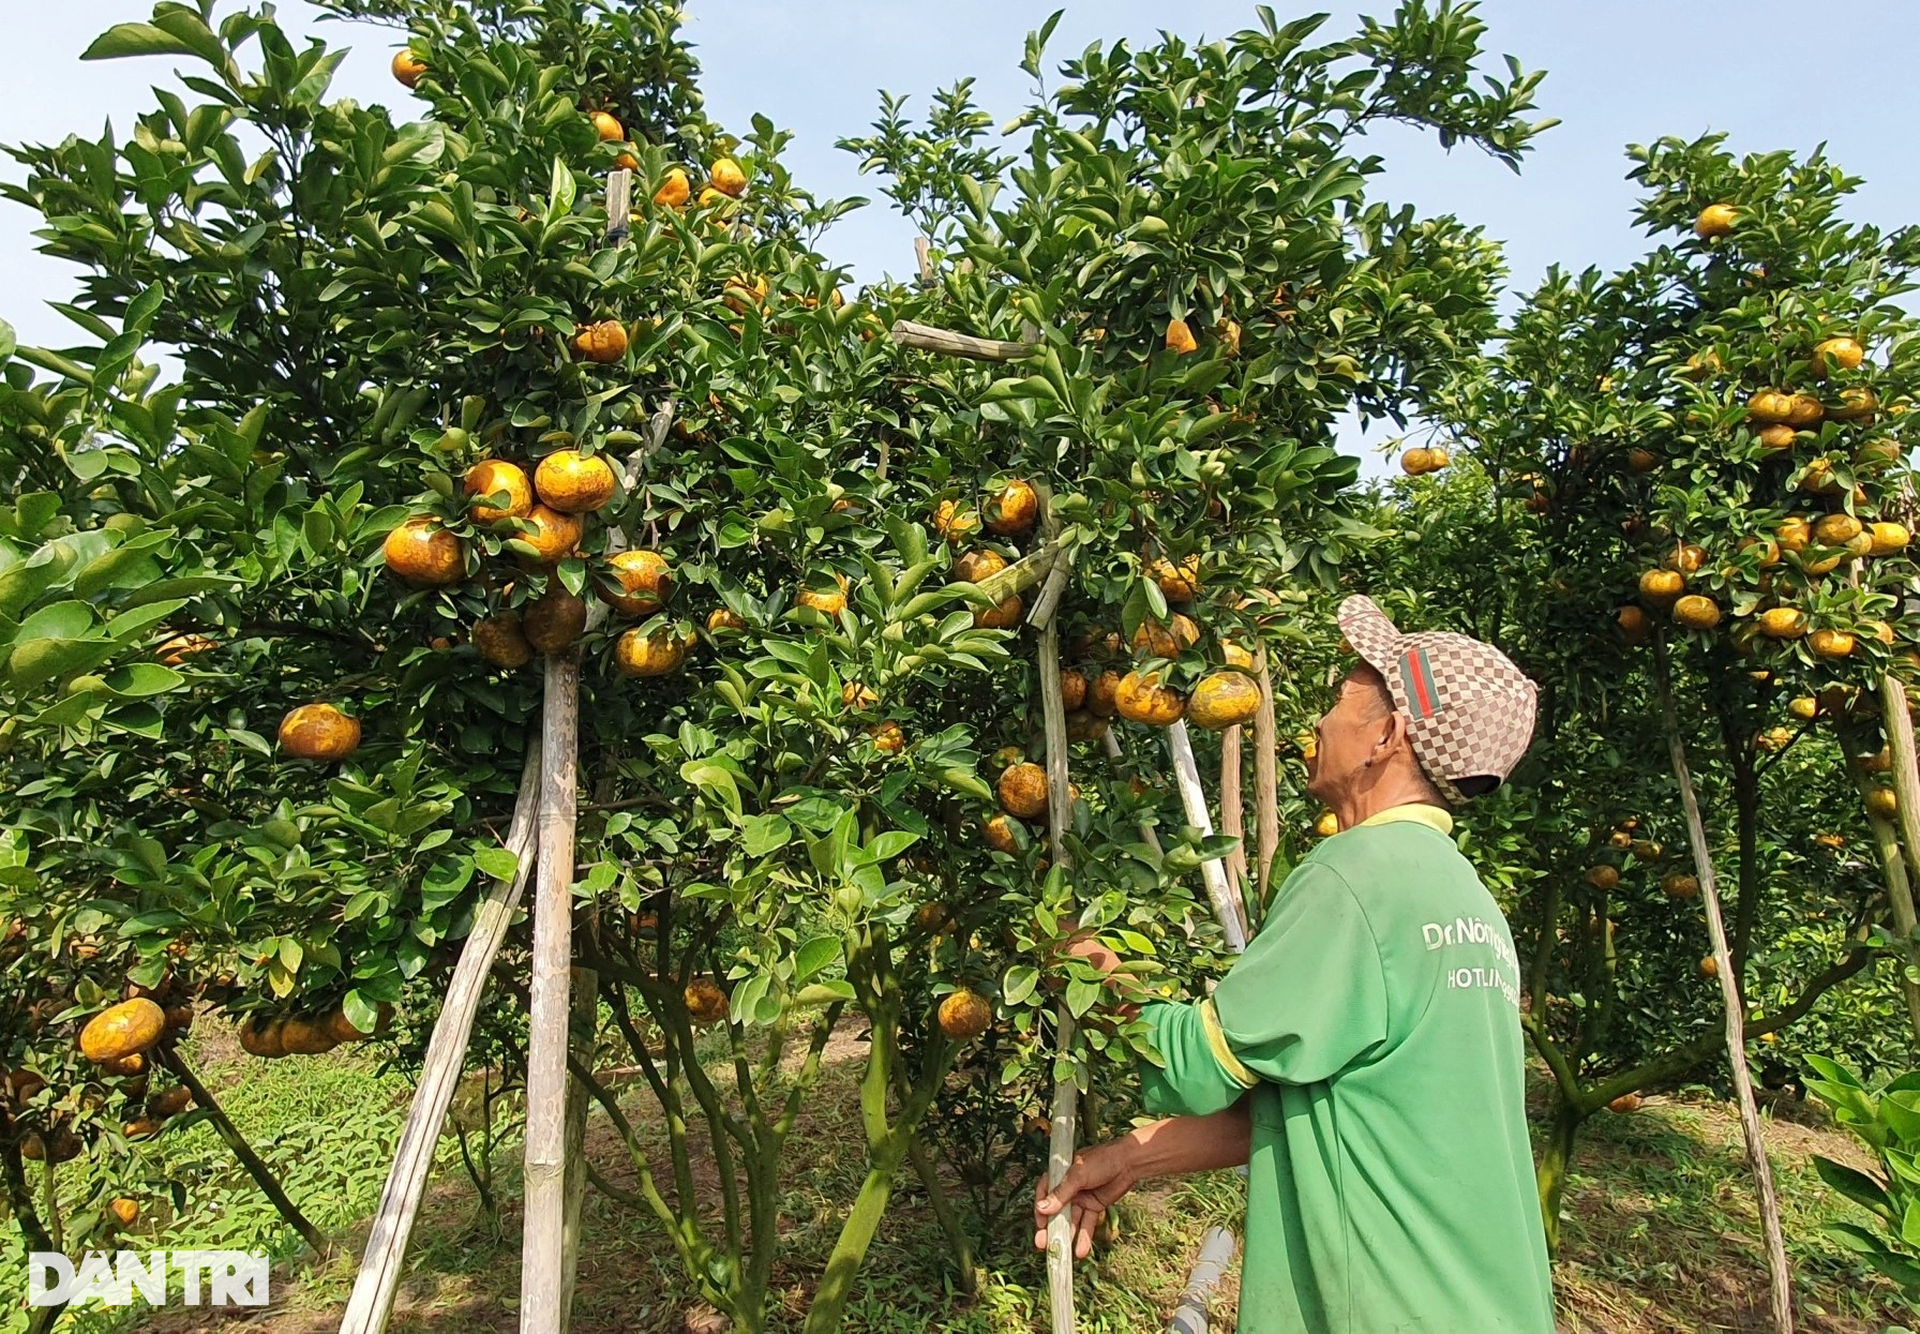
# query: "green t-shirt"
{"points": [[1375, 1020]]}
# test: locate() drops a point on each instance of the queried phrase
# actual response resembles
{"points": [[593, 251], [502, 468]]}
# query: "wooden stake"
{"points": [[923, 258], [1227, 908], [944, 341], [543, 1238], [1898, 723], [380, 1266], [1781, 1286], [619, 205], [1233, 813], [586, 1012], [1266, 782]]}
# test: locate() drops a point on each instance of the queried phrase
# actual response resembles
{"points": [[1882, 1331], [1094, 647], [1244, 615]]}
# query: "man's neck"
{"points": [[1390, 791]]}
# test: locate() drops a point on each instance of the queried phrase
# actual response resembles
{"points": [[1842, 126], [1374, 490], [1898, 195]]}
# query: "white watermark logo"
{"points": [[229, 1278]]}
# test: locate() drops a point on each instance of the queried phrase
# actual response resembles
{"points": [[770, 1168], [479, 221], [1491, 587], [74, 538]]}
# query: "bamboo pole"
{"points": [[543, 1237], [1266, 781], [948, 343], [1227, 908], [585, 983], [1216, 1254], [380, 1265], [1781, 1290], [923, 259], [1898, 723], [1233, 812]]}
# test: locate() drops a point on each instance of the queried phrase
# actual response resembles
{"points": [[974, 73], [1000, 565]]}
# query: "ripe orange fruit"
{"points": [[407, 67], [1817, 477], [1794, 533], [1003, 616], [1697, 612], [1879, 630], [646, 581], [1702, 364], [1440, 459], [954, 523], [1236, 656], [1180, 340], [675, 189], [319, 732], [1626, 1102], [1709, 966], [607, 127], [552, 621], [649, 655], [1769, 406], [1783, 622], [1831, 842], [501, 641], [1647, 850], [491, 477], [1883, 803], [1602, 877], [1177, 583], [303, 1036], [1776, 437], [1878, 762], [421, 551], [1620, 838], [1085, 725], [1804, 411], [828, 602], [1633, 624], [604, 341], [706, 1003], [887, 738], [1013, 510], [724, 618], [125, 1212], [1804, 707], [1878, 454], [1022, 790], [572, 482], [1103, 695], [1830, 643], [1769, 550], [853, 695], [1642, 460], [1840, 353], [726, 177], [1715, 220], [1154, 640], [711, 198], [741, 292], [1687, 558], [182, 647], [554, 534], [1417, 461], [1836, 530], [998, 834], [1223, 700], [964, 1015], [1327, 825], [1140, 698], [122, 1030], [1073, 689], [1661, 587], [1679, 886], [1857, 403], [1888, 538], [980, 563]]}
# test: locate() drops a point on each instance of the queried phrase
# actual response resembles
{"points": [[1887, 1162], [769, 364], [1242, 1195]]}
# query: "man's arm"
{"points": [[1102, 1174]]}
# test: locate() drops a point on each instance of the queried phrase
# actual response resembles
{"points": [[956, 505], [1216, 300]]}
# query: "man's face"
{"points": [[1347, 735]]}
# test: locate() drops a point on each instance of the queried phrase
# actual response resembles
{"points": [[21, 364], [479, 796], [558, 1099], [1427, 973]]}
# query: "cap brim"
{"points": [[1367, 628]]}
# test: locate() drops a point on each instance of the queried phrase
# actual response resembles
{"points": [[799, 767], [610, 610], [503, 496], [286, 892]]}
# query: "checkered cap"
{"points": [[1471, 709]]}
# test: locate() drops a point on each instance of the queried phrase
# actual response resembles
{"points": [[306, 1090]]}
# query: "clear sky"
{"points": [[1770, 73]]}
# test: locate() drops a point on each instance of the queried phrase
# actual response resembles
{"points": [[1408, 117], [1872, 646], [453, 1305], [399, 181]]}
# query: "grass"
{"points": [[1661, 1233]]}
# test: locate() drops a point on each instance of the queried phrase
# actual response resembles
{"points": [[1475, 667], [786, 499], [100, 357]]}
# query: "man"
{"points": [[1364, 1056]]}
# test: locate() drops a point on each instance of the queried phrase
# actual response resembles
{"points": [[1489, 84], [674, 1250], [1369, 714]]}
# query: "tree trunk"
{"points": [[957, 1239], [1266, 783], [829, 1306], [1556, 1157]]}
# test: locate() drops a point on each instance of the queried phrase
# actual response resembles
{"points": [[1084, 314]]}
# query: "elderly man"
{"points": [[1364, 1056]]}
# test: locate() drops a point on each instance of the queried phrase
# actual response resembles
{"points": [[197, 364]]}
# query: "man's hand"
{"points": [[1099, 1176], [1088, 947]]}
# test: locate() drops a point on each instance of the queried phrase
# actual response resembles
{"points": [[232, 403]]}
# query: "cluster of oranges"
{"points": [[1420, 460]]}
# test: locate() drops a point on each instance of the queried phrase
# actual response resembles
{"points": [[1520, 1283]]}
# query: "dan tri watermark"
{"points": [[229, 1278]]}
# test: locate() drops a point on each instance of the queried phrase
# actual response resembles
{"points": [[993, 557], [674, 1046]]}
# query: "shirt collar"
{"points": [[1418, 812]]}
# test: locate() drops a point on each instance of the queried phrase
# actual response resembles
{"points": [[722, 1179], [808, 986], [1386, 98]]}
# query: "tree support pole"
{"points": [[1227, 908], [1266, 782]]}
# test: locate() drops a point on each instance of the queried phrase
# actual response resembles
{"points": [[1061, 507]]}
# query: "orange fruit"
{"points": [[645, 579], [500, 640], [1228, 332], [853, 695], [319, 732], [706, 1003], [301, 1036], [260, 1036], [1769, 406], [1794, 533], [954, 523], [1602, 877], [1022, 790], [726, 177], [711, 198], [998, 834], [741, 292], [1004, 616], [1776, 437], [1877, 454], [1888, 538], [1073, 689], [1626, 1102], [1840, 353], [554, 534], [1180, 338], [171, 1103], [1879, 630], [552, 621], [123, 1030], [1177, 583], [1857, 403], [407, 67], [491, 477], [1697, 612], [1883, 803], [1817, 477], [572, 482], [887, 738], [724, 618], [177, 650], [1769, 550], [1642, 460], [1661, 587], [1327, 825], [627, 162], [1103, 695], [1832, 842], [675, 189], [604, 341], [1646, 850], [1804, 411], [1633, 624], [1417, 461], [1804, 707], [1783, 623], [1687, 558], [1702, 364], [1085, 725], [980, 563], [125, 1212], [1440, 459], [649, 655], [1679, 886], [1223, 700], [1013, 509], [1830, 643], [422, 551], [1836, 530], [1715, 220], [964, 1015], [1878, 762], [1236, 656], [1155, 640], [828, 602], [1140, 698], [607, 127]]}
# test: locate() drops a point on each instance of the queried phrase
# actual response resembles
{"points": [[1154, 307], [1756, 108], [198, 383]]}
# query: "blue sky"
{"points": [[1769, 73]]}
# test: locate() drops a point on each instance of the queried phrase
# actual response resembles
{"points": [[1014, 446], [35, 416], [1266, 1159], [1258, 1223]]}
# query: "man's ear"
{"points": [[1396, 734]]}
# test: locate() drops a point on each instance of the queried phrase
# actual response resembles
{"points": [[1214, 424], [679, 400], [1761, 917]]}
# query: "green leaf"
{"points": [[61, 620], [498, 863], [891, 844], [137, 680], [135, 39], [764, 833], [815, 955], [361, 1012], [1019, 984]]}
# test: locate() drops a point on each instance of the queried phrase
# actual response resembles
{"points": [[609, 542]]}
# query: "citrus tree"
{"points": [[441, 416]]}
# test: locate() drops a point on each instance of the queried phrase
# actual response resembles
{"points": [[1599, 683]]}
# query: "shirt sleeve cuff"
{"points": [[1201, 1075]]}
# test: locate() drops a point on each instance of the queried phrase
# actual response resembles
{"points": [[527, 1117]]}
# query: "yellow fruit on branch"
{"points": [[1417, 461], [1073, 689], [980, 563], [1327, 825], [300, 1036], [1857, 403], [826, 601], [408, 67], [554, 534], [1647, 850], [655, 654], [1888, 538], [1879, 630], [998, 834], [1103, 695], [552, 621], [500, 640], [123, 1030], [1697, 612], [1703, 364], [1022, 790], [1013, 509], [319, 732], [1621, 839], [1770, 407], [1440, 460], [953, 523], [706, 1003], [964, 1015], [1633, 624], [1882, 802], [1804, 707], [742, 292], [1709, 966], [855, 696], [724, 619], [496, 477], [1794, 533], [1004, 615], [1177, 583], [604, 342], [726, 176], [1782, 622], [1713, 221], [675, 189], [645, 579], [1836, 530], [1830, 644], [1768, 548], [1140, 698], [1661, 587], [1180, 340], [1154, 640], [1687, 558], [1879, 762], [1679, 886], [574, 483], [1833, 354], [608, 127], [125, 1212], [1223, 700], [1236, 656], [180, 648], [422, 551], [1642, 460], [1804, 411], [1776, 437], [1602, 877], [887, 738], [1626, 1102]]}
